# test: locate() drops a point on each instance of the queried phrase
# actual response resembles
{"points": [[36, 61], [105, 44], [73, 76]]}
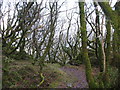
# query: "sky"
{"points": [[70, 5]]}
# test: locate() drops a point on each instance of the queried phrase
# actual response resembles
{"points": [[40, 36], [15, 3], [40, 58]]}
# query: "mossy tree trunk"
{"points": [[98, 43], [117, 9], [97, 29], [114, 17], [108, 51], [108, 42], [85, 57]]}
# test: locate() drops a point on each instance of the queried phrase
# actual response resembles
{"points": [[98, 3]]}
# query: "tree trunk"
{"points": [[108, 41], [99, 49], [114, 17], [86, 59]]}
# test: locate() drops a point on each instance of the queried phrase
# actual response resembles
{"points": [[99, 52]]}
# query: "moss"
{"points": [[22, 74], [114, 18], [85, 57], [100, 56], [57, 75], [19, 76], [112, 15], [100, 79], [108, 49]]}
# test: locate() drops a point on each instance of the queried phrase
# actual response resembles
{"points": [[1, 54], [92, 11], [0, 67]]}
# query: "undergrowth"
{"points": [[113, 76], [22, 74]]}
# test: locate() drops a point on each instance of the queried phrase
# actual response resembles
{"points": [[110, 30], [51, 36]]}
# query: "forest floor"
{"points": [[77, 72], [23, 74]]}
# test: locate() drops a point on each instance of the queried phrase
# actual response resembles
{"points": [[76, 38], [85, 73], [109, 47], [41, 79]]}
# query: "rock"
{"points": [[69, 85]]}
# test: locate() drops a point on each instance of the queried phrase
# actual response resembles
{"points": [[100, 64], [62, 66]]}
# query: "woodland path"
{"points": [[79, 73]]}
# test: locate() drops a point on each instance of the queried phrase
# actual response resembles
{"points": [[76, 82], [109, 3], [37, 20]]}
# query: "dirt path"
{"points": [[77, 72]]}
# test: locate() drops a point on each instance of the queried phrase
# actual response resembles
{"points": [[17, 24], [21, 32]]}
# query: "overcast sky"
{"points": [[70, 5]]}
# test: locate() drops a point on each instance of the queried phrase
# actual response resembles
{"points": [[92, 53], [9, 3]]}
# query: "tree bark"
{"points": [[86, 59], [114, 17]]}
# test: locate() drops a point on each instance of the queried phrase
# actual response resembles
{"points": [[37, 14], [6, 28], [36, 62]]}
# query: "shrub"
{"points": [[112, 76]]}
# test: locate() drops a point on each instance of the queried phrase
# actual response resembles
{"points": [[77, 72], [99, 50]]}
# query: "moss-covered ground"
{"points": [[22, 74]]}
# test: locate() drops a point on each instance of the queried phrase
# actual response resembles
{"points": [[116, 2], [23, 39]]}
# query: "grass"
{"points": [[22, 74], [112, 74], [59, 76]]}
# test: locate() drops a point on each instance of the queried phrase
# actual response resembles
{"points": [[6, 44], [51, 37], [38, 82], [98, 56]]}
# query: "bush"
{"points": [[20, 56], [112, 76], [6, 70], [75, 62]]}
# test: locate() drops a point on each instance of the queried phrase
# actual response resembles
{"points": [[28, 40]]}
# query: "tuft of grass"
{"points": [[53, 74]]}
